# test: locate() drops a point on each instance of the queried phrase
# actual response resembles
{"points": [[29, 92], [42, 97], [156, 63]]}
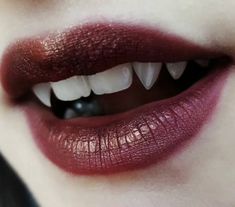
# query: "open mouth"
{"points": [[134, 84], [112, 97]]}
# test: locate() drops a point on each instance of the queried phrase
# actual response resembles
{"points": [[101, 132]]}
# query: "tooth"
{"points": [[69, 114], [147, 72], [113, 80], [43, 91], [176, 69], [72, 88], [203, 63]]}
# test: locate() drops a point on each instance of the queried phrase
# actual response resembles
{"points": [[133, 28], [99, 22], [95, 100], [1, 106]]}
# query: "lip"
{"points": [[87, 50], [115, 143]]}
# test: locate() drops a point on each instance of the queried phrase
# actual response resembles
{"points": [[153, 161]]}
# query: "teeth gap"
{"points": [[116, 79]]}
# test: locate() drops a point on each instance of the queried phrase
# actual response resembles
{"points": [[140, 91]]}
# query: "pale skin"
{"points": [[200, 175]]}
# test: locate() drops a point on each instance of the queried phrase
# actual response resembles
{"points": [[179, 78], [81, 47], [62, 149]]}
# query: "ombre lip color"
{"points": [[113, 143]]}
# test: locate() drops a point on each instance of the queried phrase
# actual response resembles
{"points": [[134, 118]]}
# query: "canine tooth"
{"points": [[147, 73], [43, 91], [72, 88], [113, 80], [203, 63], [176, 69]]}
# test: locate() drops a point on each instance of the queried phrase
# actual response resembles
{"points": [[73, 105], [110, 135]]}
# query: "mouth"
{"points": [[107, 98]]}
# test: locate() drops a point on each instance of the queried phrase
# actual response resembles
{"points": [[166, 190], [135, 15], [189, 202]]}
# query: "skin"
{"points": [[200, 175]]}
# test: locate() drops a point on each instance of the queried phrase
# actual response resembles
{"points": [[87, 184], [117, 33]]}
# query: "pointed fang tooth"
{"points": [[43, 91], [147, 73], [176, 70]]}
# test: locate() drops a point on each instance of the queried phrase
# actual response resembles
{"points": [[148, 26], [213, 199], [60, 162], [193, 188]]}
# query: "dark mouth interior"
{"points": [[134, 96]]}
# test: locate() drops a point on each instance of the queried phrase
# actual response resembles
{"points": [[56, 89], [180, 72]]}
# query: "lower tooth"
{"points": [[84, 107], [113, 80]]}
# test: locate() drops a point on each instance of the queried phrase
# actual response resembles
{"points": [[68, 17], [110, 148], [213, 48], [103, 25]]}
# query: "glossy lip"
{"points": [[130, 140], [87, 50]]}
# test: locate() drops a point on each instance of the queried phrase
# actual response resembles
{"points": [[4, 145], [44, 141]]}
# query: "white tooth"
{"points": [[69, 114], [203, 63], [72, 88], [176, 69], [147, 72], [113, 80], [42, 91]]}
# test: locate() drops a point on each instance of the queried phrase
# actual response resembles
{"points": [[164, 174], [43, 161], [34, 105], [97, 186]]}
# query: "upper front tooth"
{"points": [[147, 72], [72, 88], [113, 80], [176, 69], [43, 91]]}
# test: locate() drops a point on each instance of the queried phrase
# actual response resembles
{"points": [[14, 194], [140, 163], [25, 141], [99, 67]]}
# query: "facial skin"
{"points": [[201, 175]]}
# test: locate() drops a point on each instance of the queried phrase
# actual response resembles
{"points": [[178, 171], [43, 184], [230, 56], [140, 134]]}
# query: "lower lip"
{"points": [[131, 140]]}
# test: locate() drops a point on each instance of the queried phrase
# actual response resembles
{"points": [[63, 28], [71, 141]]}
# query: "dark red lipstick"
{"points": [[88, 50], [119, 142]]}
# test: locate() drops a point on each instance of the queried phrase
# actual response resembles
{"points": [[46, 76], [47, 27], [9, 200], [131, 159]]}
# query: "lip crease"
{"points": [[114, 143]]}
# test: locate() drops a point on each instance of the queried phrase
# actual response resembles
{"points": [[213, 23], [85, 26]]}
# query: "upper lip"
{"points": [[87, 50]]}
